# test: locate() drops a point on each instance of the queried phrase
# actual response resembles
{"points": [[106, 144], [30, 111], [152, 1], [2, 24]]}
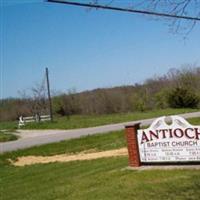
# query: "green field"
{"points": [[100, 179], [103, 179], [80, 121]]}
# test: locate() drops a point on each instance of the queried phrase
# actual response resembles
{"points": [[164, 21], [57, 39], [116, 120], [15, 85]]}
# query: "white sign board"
{"points": [[177, 142]]}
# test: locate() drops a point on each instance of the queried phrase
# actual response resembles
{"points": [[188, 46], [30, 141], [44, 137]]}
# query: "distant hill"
{"points": [[178, 88]]}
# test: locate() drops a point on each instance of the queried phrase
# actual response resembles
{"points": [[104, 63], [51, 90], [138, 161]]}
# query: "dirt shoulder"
{"points": [[30, 160]]}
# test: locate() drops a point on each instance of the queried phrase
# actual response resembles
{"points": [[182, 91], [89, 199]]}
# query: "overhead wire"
{"points": [[137, 11]]}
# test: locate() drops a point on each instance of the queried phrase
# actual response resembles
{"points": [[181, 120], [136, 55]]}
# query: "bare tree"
{"points": [[36, 99], [39, 97], [177, 8]]}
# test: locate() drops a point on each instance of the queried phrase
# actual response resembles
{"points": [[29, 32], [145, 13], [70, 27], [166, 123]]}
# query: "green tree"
{"points": [[183, 98]]}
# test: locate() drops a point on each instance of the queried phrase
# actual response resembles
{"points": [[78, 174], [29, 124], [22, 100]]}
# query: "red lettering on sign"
{"points": [[153, 135], [170, 133], [178, 133], [144, 138], [187, 134], [163, 131], [197, 133]]}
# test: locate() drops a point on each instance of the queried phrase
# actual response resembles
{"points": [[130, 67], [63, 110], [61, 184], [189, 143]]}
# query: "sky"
{"points": [[85, 49]]}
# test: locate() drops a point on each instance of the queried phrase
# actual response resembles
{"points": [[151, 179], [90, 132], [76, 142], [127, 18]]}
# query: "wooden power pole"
{"points": [[49, 94]]}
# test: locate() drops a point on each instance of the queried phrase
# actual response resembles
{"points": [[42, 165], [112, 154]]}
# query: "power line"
{"points": [[98, 6]]}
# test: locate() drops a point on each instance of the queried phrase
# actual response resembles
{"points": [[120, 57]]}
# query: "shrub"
{"points": [[183, 98], [160, 99]]}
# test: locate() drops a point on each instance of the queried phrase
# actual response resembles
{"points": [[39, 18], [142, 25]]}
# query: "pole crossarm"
{"points": [[98, 6]]}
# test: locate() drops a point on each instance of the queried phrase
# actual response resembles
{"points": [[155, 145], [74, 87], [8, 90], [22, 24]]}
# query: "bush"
{"points": [[183, 98], [160, 99]]}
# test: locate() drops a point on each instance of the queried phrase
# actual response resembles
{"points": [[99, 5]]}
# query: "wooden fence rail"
{"points": [[36, 118]]}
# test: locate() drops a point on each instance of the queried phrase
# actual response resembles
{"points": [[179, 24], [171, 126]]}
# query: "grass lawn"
{"points": [[8, 125], [7, 136], [80, 121], [101, 179]]}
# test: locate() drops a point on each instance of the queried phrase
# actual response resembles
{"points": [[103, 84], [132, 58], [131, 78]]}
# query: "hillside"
{"points": [[176, 89]]}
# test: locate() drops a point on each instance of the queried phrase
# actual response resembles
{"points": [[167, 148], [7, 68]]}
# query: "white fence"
{"points": [[36, 118]]}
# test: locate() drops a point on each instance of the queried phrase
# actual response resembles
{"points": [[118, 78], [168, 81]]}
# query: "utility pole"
{"points": [[49, 95]]}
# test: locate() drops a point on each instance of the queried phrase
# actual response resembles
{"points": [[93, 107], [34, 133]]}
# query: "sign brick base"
{"points": [[132, 144]]}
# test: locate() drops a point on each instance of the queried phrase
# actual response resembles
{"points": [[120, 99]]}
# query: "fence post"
{"points": [[132, 144]]}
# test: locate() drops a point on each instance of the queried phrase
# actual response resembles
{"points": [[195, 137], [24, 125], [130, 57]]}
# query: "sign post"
{"points": [[133, 150]]}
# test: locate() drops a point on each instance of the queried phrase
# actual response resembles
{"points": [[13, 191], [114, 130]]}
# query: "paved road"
{"points": [[35, 137]]}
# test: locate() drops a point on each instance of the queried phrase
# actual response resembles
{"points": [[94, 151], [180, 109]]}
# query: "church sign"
{"points": [[175, 142]]}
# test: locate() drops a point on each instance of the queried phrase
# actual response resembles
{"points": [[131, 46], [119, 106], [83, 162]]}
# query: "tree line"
{"points": [[179, 88]]}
